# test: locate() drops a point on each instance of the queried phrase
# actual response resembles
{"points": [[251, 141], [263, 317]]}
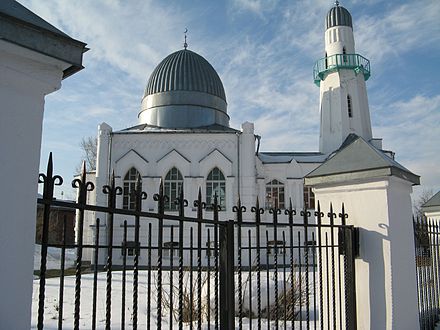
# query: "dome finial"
{"points": [[185, 45], [336, 3]]}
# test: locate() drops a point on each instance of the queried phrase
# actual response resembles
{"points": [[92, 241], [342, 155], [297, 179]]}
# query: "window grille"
{"points": [[309, 197], [216, 185], [173, 185], [275, 194], [128, 201]]}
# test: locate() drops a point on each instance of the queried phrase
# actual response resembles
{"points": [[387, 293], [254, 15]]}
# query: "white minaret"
{"points": [[341, 76]]}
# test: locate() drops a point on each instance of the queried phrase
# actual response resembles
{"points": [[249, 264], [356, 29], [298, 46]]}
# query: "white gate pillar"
{"points": [[376, 191], [34, 58], [386, 292]]}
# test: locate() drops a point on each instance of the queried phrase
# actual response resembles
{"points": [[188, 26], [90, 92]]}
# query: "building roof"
{"points": [[338, 16], [184, 91], [14, 9], [144, 128], [358, 159], [287, 157], [185, 70], [20, 26], [433, 201]]}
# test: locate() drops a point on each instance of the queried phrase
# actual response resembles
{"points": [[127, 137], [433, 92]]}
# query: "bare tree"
{"points": [[88, 147], [417, 204]]}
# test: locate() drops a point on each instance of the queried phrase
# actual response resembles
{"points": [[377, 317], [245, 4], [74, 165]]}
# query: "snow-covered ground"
{"points": [[52, 292], [53, 285], [53, 260]]}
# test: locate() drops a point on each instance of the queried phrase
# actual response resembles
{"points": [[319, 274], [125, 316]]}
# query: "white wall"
{"points": [[195, 155], [338, 37], [385, 272], [336, 125], [25, 78]]}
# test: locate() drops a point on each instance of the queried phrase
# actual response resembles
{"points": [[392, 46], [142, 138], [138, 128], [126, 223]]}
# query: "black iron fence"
{"points": [[157, 270], [427, 239]]}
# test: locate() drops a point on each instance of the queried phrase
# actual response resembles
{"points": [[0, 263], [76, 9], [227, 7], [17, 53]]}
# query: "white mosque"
{"points": [[183, 138]]}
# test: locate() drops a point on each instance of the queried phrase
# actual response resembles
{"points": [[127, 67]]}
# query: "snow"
{"points": [[53, 260], [53, 284]]}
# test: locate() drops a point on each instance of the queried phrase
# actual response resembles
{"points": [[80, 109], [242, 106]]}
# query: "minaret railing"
{"points": [[332, 63]]}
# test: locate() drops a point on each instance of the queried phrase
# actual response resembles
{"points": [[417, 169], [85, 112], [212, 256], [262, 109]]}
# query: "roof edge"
{"points": [[374, 173], [43, 41]]}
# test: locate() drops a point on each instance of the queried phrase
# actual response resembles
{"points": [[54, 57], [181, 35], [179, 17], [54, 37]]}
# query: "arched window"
{"points": [[349, 106], [173, 185], [326, 60], [274, 194], [344, 57], [216, 184], [128, 201], [309, 197]]}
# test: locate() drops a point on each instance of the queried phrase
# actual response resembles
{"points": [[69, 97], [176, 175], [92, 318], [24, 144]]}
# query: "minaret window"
{"points": [[326, 61], [349, 107], [344, 52], [173, 185], [275, 194], [216, 185], [128, 200]]}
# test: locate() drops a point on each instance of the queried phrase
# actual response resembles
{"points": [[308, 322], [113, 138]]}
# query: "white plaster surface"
{"points": [[385, 272], [25, 78], [336, 125]]}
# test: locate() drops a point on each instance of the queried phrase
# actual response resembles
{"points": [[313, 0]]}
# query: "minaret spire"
{"points": [[185, 45], [337, 3]]}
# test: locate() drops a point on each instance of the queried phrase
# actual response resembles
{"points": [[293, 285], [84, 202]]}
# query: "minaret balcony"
{"points": [[333, 63]]}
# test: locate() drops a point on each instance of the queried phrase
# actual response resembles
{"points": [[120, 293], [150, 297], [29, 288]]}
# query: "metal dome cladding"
{"points": [[184, 90]]}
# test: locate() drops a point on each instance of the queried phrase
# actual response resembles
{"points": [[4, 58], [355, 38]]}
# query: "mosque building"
{"points": [[184, 139]]}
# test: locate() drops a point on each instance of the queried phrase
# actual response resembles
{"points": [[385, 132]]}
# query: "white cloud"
{"points": [[131, 37], [258, 7], [264, 53], [411, 129], [399, 30]]}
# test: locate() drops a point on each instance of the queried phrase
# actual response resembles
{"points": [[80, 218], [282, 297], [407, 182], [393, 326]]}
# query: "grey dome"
{"points": [[184, 90], [337, 16], [185, 70]]}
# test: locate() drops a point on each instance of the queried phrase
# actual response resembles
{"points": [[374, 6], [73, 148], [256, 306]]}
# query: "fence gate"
{"points": [[266, 268]]}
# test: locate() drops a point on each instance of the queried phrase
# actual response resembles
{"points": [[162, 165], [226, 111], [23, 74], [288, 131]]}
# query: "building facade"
{"points": [[183, 139]]}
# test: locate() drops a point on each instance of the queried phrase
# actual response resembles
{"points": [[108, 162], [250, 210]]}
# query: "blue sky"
{"points": [[264, 51]]}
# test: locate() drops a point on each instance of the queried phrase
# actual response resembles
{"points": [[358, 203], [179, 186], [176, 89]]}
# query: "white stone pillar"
{"points": [[247, 167], [102, 155], [386, 292], [102, 170], [24, 81]]}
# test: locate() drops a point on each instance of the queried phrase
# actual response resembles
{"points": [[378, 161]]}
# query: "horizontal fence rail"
{"points": [[154, 270], [427, 239]]}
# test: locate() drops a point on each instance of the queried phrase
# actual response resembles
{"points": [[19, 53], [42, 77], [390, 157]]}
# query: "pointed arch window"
{"points": [[309, 197], [173, 185], [216, 185], [349, 107], [128, 200], [275, 194]]}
